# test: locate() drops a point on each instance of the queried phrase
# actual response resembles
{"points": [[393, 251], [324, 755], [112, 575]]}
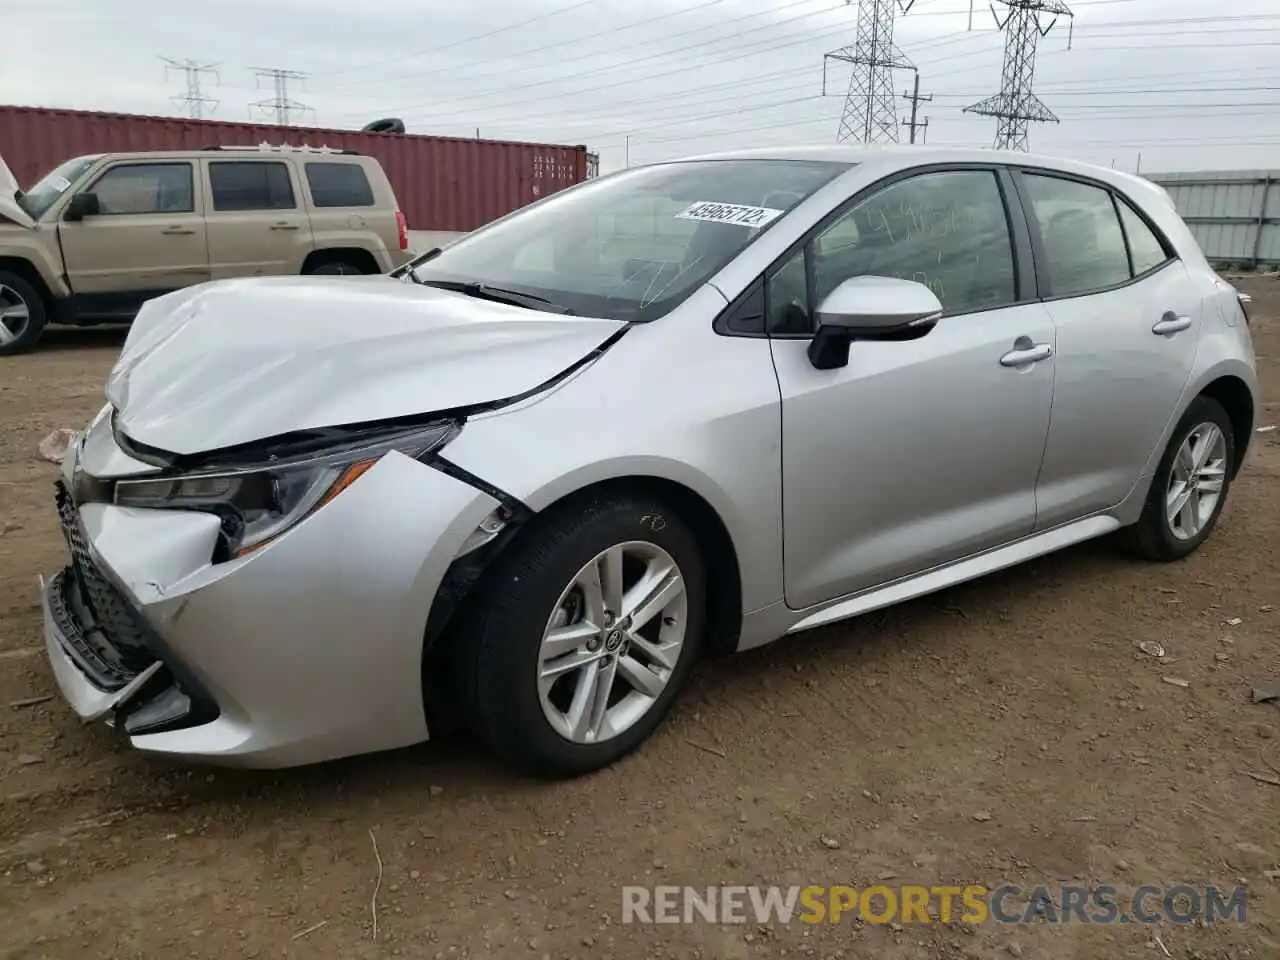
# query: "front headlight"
{"points": [[258, 504]]}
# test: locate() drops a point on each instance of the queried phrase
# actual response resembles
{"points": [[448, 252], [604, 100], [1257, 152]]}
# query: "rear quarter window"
{"points": [[339, 185]]}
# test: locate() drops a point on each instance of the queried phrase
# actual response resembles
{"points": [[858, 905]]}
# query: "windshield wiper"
{"points": [[484, 291]]}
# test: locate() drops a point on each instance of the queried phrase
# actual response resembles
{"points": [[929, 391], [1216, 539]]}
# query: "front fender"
{"points": [[671, 400]]}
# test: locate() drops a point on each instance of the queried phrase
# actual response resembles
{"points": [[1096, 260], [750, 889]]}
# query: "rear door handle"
{"points": [[177, 231], [1025, 352], [284, 226], [1170, 323]]}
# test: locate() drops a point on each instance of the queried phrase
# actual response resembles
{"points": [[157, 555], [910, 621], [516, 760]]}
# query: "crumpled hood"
{"points": [[9, 206], [233, 361]]}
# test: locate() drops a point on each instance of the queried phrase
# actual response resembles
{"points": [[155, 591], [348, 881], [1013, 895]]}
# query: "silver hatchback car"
{"points": [[521, 484]]}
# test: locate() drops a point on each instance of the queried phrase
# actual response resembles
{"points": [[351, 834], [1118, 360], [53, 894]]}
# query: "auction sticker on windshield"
{"points": [[712, 212]]}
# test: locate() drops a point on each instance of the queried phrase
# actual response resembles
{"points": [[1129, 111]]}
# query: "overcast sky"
{"points": [[1160, 79]]}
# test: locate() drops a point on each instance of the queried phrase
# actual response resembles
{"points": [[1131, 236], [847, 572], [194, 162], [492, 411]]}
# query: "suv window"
{"points": [[339, 185], [1081, 234], [947, 230], [249, 185], [1146, 252], [146, 188]]}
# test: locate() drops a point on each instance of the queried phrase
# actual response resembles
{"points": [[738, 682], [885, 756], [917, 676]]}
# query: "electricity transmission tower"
{"points": [[1015, 106], [195, 99], [870, 109], [280, 105]]}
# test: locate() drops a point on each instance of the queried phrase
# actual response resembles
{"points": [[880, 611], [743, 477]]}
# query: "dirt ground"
{"points": [[1007, 731]]}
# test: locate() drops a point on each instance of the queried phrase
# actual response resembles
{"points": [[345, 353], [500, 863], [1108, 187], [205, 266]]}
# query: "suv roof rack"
{"points": [[282, 148]]}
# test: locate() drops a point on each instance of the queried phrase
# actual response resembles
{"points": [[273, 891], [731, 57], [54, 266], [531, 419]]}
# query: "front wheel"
{"points": [[1190, 486], [579, 643]]}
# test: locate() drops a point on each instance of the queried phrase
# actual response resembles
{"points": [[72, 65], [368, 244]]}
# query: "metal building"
{"points": [[1234, 214]]}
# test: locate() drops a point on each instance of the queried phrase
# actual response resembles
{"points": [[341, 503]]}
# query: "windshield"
{"points": [[53, 185], [633, 245]]}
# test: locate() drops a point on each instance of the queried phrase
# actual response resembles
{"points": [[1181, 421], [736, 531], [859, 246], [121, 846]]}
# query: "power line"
{"points": [[1015, 106], [577, 41], [963, 35], [743, 51], [869, 114], [602, 138], [195, 100], [280, 105], [707, 104], [712, 94], [705, 96], [465, 40], [811, 122], [666, 98], [1150, 141], [769, 44]]}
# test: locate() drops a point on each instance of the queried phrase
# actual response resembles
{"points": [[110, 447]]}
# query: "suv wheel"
{"points": [[580, 641], [336, 268], [22, 314], [1190, 487]]}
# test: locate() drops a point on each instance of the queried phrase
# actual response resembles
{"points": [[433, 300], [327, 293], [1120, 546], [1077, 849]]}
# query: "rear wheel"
{"points": [[1190, 487], [22, 314], [336, 267], [579, 643]]}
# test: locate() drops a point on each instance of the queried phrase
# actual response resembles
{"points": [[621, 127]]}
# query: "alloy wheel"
{"points": [[15, 315], [612, 642], [1196, 481]]}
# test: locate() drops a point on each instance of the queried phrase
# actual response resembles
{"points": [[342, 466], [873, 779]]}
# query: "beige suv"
{"points": [[101, 234]]}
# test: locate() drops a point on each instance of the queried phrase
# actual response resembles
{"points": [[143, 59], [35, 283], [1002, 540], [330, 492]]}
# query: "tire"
{"points": [[18, 297], [1155, 536], [500, 640], [334, 268]]}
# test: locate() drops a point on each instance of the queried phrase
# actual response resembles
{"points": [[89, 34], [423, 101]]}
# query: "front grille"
{"points": [[110, 612], [85, 644]]}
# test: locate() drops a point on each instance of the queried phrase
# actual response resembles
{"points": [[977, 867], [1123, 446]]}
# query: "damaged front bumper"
{"points": [[306, 650], [107, 660]]}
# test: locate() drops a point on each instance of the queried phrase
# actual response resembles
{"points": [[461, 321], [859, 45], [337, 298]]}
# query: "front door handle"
{"points": [[1170, 323], [284, 226], [1025, 352], [177, 231]]}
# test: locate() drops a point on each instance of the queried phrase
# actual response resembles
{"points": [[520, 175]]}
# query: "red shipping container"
{"points": [[442, 183]]}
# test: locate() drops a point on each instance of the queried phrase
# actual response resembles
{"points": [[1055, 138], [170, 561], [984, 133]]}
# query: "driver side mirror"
{"points": [[82, 205], [871, 308]]}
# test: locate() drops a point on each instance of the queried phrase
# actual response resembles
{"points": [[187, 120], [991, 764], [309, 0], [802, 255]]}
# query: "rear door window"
{"points": [[250, 185], [1081, 234], [339, 185]]}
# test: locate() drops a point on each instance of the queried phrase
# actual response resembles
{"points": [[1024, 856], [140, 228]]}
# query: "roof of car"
{"points": [[903, 156], [246, 150], [907, 155]]}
